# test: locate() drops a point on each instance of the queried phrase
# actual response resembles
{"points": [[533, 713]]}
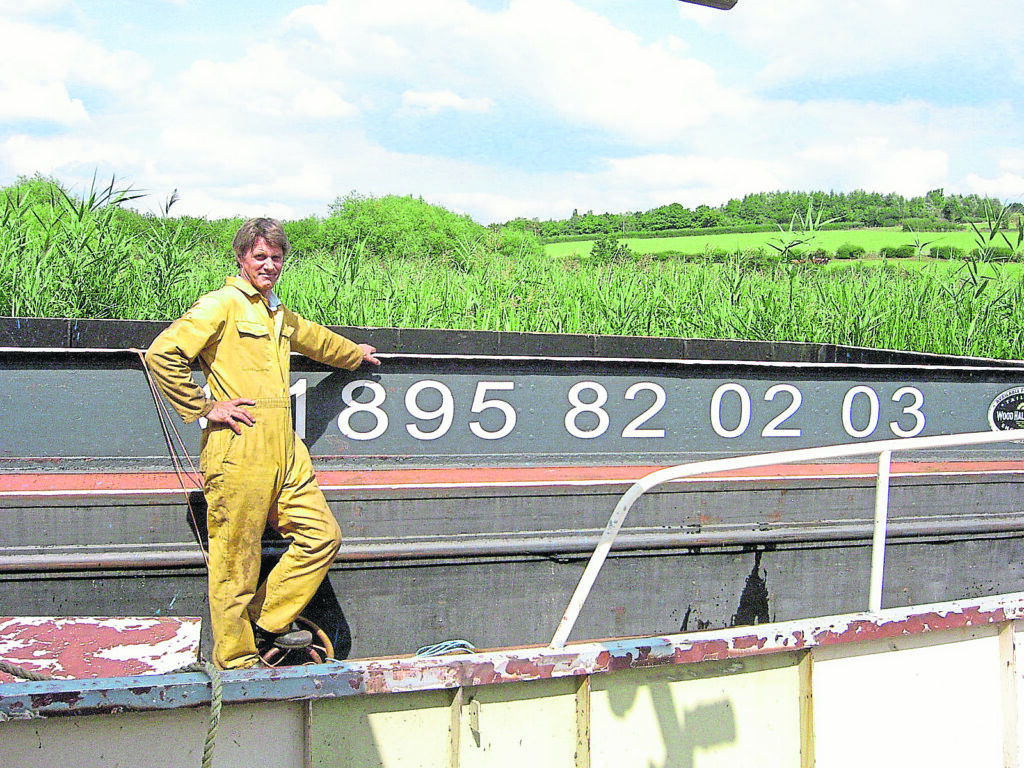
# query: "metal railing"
{"points": [[883, 448]]}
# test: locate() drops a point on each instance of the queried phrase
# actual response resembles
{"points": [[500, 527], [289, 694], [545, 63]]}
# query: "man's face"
{"points": [[261, 266]]}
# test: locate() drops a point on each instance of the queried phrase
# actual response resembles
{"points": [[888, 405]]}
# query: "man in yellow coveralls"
{"points": [[256, 470]]}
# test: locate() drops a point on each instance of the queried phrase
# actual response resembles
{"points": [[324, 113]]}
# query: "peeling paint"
{"points": [[405, 674], [91, 647]]}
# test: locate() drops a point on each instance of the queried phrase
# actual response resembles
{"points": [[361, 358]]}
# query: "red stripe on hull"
{"points": [[37, 482]]}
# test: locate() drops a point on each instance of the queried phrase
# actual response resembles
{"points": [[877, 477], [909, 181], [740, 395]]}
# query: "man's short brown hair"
{"points": [[270, 230]]}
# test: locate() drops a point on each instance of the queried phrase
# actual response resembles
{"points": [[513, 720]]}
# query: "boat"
{"points": [[475, 473]]}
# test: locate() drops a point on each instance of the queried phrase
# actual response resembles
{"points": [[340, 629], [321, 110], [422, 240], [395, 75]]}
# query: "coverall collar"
{"points": [[250, 290]]}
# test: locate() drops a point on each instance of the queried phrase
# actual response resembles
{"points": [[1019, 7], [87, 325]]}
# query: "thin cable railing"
{"points": [[882, 448]]}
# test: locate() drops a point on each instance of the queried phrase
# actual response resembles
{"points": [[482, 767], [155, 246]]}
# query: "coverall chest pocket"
{"points": [[255, 347]]}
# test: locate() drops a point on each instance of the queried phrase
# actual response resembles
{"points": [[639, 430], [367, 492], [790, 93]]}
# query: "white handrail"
{"points": [[883, 448], [878, 535]]}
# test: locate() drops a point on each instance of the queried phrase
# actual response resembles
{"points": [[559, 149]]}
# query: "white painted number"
{"points": [[298, 391], [445, 411], [481, 403], [773, 427], [588, 417], [593, 407], [633, 428], [372, 407], [872, 421], [716, 410], [914, 409]]}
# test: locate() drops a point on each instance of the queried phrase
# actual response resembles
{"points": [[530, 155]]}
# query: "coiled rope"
{"points": [[447, 648]]}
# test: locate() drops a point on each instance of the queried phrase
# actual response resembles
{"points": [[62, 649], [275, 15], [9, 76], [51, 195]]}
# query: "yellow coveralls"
{"points": [[262, 476]]}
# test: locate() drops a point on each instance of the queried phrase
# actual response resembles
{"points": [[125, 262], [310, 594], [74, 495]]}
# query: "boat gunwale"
{"points": [[375, 676]]}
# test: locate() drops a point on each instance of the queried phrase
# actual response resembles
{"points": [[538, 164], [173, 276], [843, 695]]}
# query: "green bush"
{"points": [[398, 226], [516, 242], [946, 252], [993, 253], [718, 255], [898, 252], [608, 249], [303, 235], [759, 258], [850, 251]]}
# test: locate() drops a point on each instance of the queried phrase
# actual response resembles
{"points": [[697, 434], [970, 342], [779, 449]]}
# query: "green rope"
{"points": [[24, 674], [216, 699], [447, 648]]}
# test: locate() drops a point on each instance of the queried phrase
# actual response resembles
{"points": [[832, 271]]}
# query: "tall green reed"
{"points": [[62, 256]]}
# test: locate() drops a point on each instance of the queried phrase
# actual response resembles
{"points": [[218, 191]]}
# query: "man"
{"points": [[255, 469]]}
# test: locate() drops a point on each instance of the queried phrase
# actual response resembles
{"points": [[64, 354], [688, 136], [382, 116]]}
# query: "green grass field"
{"points": [[872, 240]]}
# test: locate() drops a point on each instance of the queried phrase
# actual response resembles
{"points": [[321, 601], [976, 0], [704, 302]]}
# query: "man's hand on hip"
{"points": [[231, 413]]}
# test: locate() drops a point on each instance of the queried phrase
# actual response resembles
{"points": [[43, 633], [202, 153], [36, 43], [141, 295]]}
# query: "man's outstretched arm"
{"points": [[325, 346]]}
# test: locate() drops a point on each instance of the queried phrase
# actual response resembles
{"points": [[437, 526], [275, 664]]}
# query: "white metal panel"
{"points": [[931, 699], [1015, 748], [268, 734], [404, 731], [523, 724], [736, 713]]}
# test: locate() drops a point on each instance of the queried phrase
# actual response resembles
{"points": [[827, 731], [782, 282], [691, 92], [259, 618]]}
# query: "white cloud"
{"points": [[874, 163], [12, 8], [578, 65], [311, 109], [317, 102], [264, 82], [40, 101], [78, 156], [691, 179], [1012, 159], [1008, 187], [36, 53], [810, 39], [433, 102], [555, 55], [41, 68]]}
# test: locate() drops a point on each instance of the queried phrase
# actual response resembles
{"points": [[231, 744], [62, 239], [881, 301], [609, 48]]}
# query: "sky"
{"points": [[508, 108]]}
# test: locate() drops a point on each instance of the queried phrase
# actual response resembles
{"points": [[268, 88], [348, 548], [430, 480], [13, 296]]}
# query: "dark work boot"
{"points": [[288, 640]]}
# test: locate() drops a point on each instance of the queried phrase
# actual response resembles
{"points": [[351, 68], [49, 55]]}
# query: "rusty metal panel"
{"points": [[389, 607], [91, 647]]}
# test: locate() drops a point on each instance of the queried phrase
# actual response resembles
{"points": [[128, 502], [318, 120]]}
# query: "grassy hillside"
{"points": [[872, 240]]}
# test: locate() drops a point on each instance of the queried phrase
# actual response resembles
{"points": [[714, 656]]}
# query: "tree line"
{"points": [[771, 209]]}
